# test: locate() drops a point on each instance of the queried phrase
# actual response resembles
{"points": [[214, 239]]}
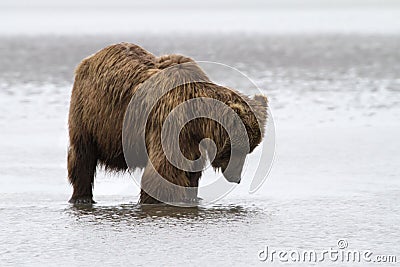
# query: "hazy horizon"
{"points": [[155, 16]]}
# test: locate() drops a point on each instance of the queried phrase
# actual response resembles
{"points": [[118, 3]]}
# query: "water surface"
{"points": [[335, 100]]}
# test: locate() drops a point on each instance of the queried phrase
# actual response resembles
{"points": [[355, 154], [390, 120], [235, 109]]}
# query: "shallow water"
{"points": [[40, 232], [335, 101]]}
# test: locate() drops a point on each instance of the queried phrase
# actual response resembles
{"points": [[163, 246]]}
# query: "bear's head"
{"points": [[231, 156]]}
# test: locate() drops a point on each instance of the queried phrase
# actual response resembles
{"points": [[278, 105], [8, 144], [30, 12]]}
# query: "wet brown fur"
{"points": [[105, 84]]}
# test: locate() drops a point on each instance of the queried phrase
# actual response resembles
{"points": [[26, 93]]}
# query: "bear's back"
{"points": [[118, 67]]}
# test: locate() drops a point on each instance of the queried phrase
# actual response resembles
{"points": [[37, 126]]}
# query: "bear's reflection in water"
{"points": [[139, 214]]}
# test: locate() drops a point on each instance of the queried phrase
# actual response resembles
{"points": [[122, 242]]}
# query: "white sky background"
{"points": [[158, 16]]}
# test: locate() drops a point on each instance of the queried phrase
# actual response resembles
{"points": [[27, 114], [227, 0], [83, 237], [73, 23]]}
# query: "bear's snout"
{"points": [[232, 178], [233, 172]]}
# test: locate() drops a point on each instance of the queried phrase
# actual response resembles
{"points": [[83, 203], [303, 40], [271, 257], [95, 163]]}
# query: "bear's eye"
{"points": [[239, 152]]}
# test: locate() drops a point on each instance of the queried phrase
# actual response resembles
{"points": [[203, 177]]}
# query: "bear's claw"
{"points": [[193, 200], [83, 200]]}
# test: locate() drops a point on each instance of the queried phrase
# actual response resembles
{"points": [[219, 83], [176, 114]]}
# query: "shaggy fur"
{"points": [[104, 86]]}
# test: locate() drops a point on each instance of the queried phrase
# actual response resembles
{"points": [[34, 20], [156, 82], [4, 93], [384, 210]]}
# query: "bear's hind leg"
{"points": [[82, 162]]}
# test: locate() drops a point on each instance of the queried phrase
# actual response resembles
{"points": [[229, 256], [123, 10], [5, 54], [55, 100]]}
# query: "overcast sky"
{"points": [[250, 16], [204, 4]]}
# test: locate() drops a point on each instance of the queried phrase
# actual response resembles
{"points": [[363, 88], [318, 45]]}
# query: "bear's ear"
{"points": [[238, 108], [261, 100]]}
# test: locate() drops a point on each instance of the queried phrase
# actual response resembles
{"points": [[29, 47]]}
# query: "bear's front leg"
{"points": [[193, 190], [162, 182]]}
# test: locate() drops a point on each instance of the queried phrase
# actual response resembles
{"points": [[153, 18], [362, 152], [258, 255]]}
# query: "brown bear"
{"points": [[104, 86]]}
